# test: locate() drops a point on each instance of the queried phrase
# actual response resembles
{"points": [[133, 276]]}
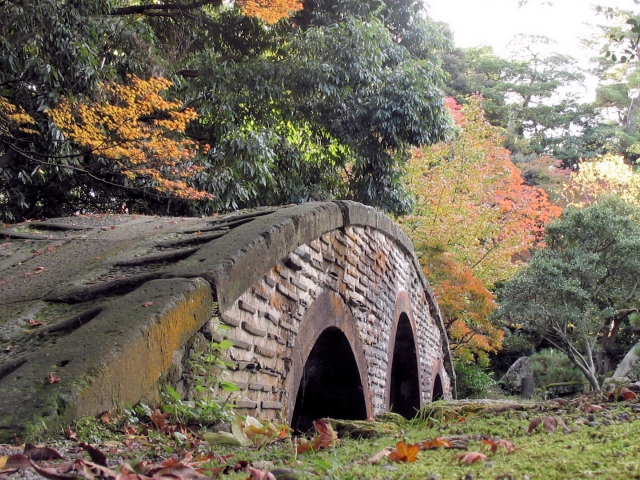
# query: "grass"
{"points": [[602, 444]]}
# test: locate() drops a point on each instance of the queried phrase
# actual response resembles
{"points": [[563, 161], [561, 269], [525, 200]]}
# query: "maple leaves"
{"points": [[471, 198], [140, 132], [325, 437], [473, 217], [269, 10]]}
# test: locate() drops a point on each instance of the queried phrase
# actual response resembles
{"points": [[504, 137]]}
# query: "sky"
{"points": [[496, 22]]}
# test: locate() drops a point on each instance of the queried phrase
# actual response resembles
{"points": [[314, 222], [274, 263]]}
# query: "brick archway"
{"points": [[329, 314]]}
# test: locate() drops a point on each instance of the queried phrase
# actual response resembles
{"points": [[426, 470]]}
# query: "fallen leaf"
{"points": [[588, 408], [39, 269], [623, 395], [303, 445], [404, 453], [260, 474], [471, 457], [147, 304], [17, 461], [71, 434], [53, 378], [435, 443], [550, 424], [326, 436], [8, 348], [38, 454], [35, 323], [96, 455], [3, 460], [177, 471], [106, 418], [385, 452], [508, 446]]}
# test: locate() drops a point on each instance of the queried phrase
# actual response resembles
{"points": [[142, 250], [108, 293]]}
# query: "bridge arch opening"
{"points": [[330, 385], [404, 391], [437, 392]]}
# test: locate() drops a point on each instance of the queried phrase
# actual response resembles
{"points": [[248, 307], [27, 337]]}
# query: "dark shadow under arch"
{"points": [[437, 392], [330, 385], [404, 391]]}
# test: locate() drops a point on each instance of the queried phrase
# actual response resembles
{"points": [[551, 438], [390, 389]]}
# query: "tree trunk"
{"points": [[628, 361]]}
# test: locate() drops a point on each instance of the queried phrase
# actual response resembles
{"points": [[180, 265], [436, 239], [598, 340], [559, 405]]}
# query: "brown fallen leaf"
{"points": [[495, 443], [106, 418], [176, 471], [435, 443], [550, 424], [385, 452], [35, 323], [260, 474], [471, 457], [326, 436], [38, 454], [53, 378], [404, 453], [622, 395], [588, 408], [17, 461], [96, 455], [71, 435], [147, 304]]}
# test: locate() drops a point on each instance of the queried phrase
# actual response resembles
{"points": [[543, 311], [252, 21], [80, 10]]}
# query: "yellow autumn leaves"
{"points": [[269, 11], [139, 131], [606, 175]]}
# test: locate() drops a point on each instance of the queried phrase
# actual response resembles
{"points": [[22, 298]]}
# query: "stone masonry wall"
{"points": [[368, 270]]}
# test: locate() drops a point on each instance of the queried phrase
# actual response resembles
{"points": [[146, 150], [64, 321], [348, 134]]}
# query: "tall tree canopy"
{"points": [[325, 103], [473, 216]]}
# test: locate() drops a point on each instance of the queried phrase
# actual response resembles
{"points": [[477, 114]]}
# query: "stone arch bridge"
{"points": [[325, 304]]}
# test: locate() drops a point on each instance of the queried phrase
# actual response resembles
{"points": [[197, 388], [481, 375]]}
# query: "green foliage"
{"points": [[323, 106], [201, 411], [524, 95], [473, 381], [578, 290], [552, 366]]}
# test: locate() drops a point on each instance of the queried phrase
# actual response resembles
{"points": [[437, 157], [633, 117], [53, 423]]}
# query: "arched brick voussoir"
{"points": [[328, 310]]}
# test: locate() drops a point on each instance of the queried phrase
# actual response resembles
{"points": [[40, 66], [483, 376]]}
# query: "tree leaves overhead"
{"points": [[323, 105]]}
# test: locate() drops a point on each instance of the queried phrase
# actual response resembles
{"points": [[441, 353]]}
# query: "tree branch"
{"points": [[163, 7]]}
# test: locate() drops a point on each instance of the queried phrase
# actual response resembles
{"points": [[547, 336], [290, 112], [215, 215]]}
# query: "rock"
{"points": [[512, 380]]}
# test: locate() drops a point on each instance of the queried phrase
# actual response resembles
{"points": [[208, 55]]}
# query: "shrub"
{"points": [[473, 381], [552, 366]]}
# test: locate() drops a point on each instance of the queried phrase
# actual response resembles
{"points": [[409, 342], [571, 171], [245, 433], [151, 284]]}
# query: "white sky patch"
{"points": [[497, 22]]}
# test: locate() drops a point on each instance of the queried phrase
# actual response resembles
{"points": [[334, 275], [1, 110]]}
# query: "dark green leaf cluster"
{"points": [[322, 105], [577, 290]]}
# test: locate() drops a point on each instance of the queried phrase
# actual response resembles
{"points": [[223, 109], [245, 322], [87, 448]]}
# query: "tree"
{"points": [[473, 216], [465, 304], [578, 290], [325, 104], [608, 175], [524, 95], [472, 199]]}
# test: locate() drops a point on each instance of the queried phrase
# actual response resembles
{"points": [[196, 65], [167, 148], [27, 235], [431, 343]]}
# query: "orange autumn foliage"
{"points": [[471, 198], [269, 10], [138, 131], [474, 218]]}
